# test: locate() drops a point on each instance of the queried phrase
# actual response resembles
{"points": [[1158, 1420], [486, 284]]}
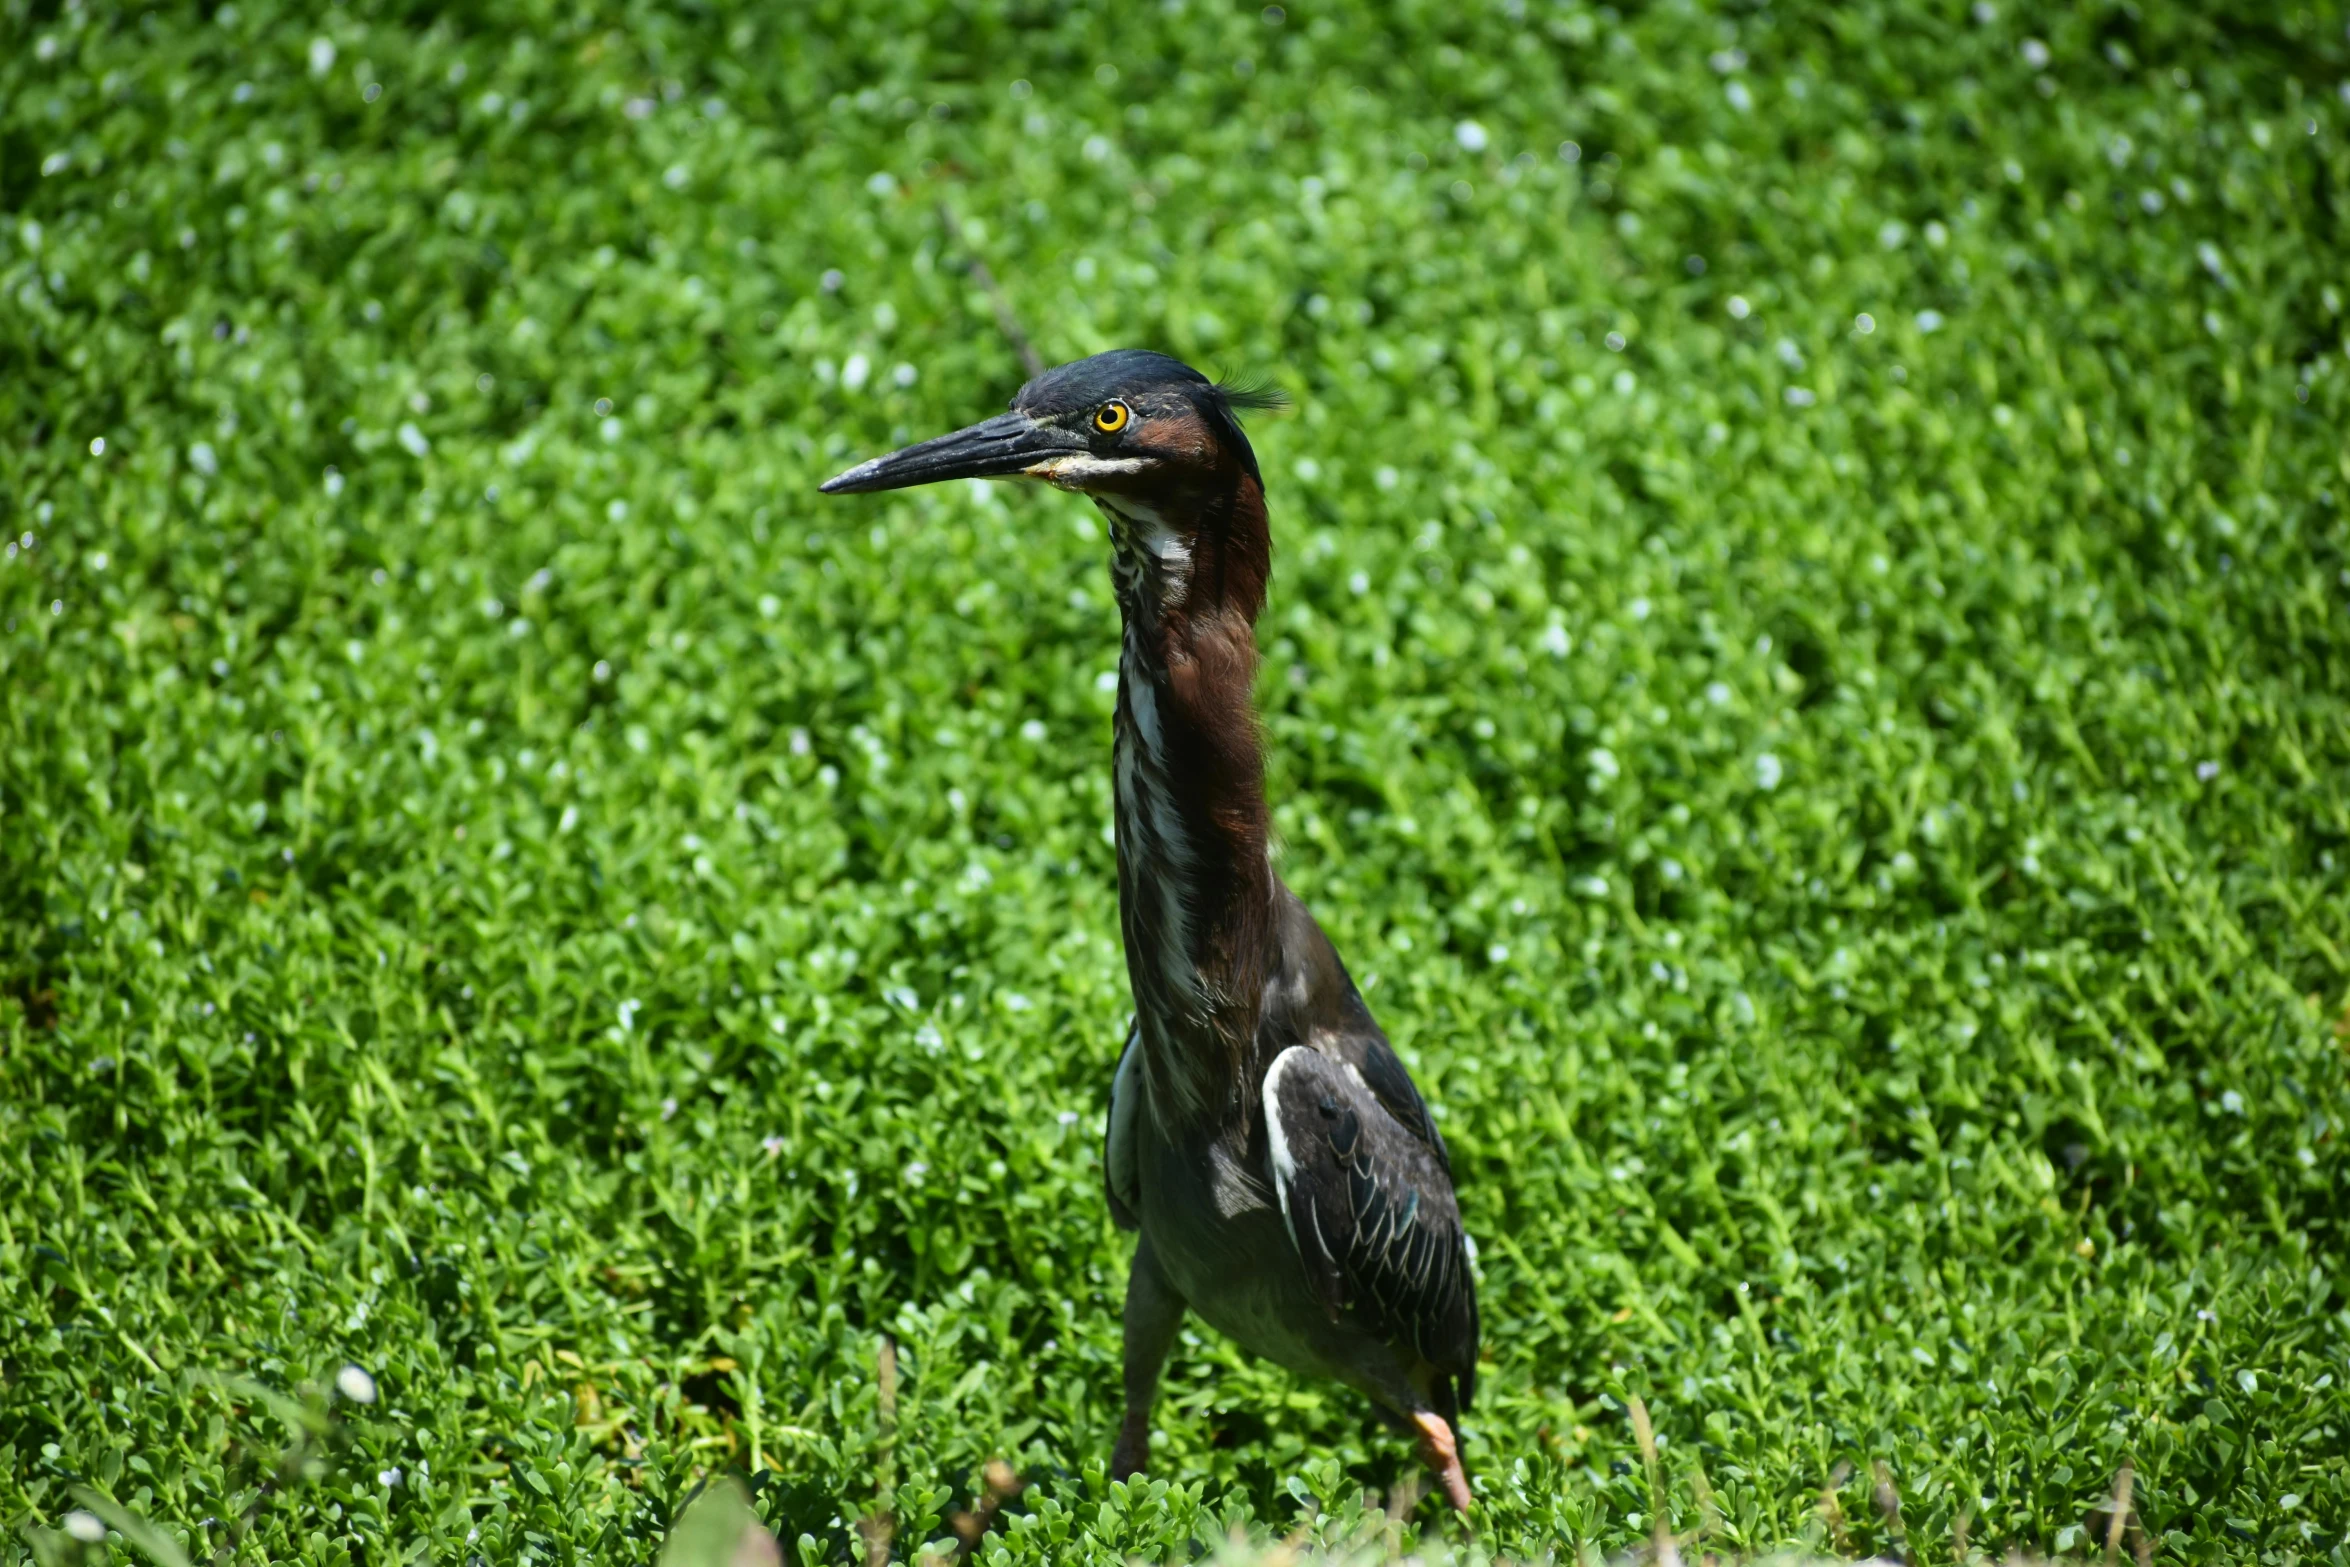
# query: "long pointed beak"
{"points": [[998, 448]]}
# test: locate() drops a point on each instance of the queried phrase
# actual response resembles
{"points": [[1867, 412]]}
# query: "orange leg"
{"points": [[1438, 1452]]}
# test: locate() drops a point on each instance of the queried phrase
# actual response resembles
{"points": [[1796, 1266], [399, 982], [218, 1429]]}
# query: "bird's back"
{"points": [[1343, 1261]]}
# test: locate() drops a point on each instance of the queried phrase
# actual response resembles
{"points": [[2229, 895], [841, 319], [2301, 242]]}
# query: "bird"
{"points": [[1286, 1177]]}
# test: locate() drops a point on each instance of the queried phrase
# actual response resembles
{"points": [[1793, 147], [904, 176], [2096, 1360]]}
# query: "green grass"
{"points": [[502, 884]]}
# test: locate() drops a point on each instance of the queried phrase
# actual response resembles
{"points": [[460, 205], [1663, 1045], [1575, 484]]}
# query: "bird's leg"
{"points": [[1153, 1312], [1440, 1453]]}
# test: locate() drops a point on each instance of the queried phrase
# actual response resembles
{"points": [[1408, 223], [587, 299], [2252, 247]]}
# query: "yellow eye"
{"points": [[1111, 417]]}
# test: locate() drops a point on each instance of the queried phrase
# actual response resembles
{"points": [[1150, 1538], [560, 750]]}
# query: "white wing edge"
{"points": [[1277, 1137]]}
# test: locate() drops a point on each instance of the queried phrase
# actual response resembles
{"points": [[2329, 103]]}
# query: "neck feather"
{"points": [[1195, 887]]}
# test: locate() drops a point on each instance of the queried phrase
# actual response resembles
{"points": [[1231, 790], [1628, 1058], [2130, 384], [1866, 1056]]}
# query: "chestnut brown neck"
{"points": [[1195, 886]]}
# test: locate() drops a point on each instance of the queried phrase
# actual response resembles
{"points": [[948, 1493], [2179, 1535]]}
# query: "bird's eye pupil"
{"points": [[1110, 418]]}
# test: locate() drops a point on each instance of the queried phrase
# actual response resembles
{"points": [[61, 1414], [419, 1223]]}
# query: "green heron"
{"points": [[1286, 1177]]}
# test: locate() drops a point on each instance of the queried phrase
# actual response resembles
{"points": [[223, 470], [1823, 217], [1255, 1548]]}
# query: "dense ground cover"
{"points": [[1809, 671]]}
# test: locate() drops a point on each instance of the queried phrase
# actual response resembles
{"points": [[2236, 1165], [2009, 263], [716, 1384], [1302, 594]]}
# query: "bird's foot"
{"points": [[1439, 1453], [1132, 1454]]}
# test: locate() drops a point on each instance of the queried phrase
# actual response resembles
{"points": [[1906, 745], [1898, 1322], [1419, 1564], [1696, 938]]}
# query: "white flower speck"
{"points": [[412, 439], [854, 372], [203, 459], [2206, 771], [85, 1527], [668, 1109], [1738, 307], [915, 1171], [355, 1385], [771, 1144], [387, 1477], [1929, 320], [1470, 135], [322, 56], [1767, 771]]}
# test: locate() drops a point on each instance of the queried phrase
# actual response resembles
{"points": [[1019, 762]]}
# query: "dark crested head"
{"points": [[1083, 385], [1128, 422]]}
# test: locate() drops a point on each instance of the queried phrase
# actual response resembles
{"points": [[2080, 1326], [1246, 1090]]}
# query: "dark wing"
{"points": [[1370, 1207], [1312, 998], [1384, 1074]]}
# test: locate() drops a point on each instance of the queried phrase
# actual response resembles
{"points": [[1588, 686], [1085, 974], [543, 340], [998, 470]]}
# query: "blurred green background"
{"points": [[1808, 671]]}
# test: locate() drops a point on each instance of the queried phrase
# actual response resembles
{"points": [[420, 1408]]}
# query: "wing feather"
{"points": [[1370, 1206]]}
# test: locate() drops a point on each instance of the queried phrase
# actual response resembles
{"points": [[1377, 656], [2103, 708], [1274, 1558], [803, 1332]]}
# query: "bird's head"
{"points": [[1140, 432]]}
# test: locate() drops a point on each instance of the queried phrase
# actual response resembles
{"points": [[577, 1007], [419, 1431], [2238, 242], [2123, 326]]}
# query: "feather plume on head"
{"points": [[1251, 393]]}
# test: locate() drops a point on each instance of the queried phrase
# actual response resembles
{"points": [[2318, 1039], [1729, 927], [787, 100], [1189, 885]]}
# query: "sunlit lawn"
{"points": [[1808, 672]]}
